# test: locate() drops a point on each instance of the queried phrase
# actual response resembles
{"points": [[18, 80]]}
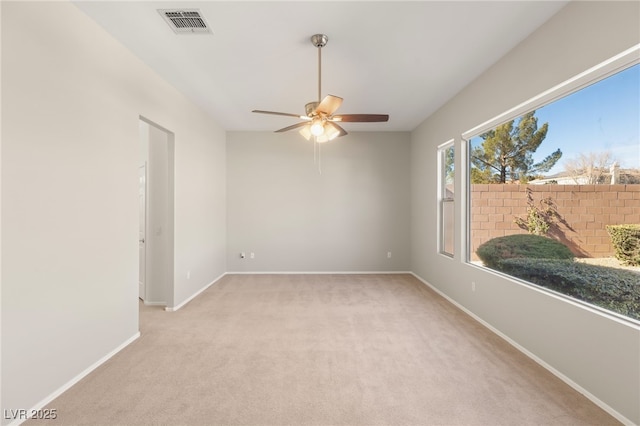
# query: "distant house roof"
{"points": [[562, 178], [623, 176]]}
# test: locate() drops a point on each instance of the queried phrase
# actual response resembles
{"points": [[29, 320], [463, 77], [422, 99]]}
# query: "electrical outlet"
{"points": [[473, 286], [242, 256], [252, 255], [388, 255]]}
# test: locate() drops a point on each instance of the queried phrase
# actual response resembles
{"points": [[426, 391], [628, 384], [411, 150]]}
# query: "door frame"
{"points": [[142, 231], [168, 266]]}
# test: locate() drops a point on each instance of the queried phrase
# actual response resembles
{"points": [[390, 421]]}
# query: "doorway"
{"points": [[156, 234]]}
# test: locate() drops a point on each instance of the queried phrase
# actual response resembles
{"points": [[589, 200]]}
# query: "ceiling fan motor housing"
{"points": [[310, 108]]}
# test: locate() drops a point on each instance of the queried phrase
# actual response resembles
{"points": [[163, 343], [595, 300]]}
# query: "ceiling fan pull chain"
{"points": [[316, 154], [319, 159]]}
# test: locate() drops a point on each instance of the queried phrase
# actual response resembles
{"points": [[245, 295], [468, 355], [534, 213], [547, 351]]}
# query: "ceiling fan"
{"points": [[320, 121]]}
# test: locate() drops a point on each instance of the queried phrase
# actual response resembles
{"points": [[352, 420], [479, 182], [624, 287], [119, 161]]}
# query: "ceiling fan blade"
{"points": [[360, 118], [329, 105], [304, 117], [294, 126]]}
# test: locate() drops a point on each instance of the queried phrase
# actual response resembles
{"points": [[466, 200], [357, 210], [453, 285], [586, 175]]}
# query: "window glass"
{"points": [[554, 197], [447, 192]]}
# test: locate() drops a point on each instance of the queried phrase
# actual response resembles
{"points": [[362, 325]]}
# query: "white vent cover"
{"points": [[185, 21]]}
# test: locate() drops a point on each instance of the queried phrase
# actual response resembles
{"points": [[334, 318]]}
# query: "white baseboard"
{"points": [[75, 380], [542, 363], [317, 272], [194, 295]]}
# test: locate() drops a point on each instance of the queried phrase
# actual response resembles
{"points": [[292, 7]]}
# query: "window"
{"points": [[446, 168], [548, 179]]}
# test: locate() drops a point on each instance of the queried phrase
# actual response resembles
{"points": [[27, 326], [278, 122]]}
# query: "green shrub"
{"points": [[529, 246], [539, 218], [617, 290], [626, 243]]}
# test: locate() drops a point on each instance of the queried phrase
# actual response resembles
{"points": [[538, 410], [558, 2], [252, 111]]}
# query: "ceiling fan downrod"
{"points": [[319, 41]]}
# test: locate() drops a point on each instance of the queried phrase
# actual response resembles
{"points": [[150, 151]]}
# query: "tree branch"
{"points": [[486, 163]]}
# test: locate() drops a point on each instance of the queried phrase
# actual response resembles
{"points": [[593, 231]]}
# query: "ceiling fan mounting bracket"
{"points": [[319, 40]]}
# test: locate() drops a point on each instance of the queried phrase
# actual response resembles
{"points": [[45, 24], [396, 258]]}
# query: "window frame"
{"points": [[443, 200], [591, 76]]}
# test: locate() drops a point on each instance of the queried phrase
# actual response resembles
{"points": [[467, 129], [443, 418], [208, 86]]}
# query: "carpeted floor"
{"points": [[320, 350]]}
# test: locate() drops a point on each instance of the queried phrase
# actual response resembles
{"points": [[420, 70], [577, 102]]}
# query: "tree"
{"points": [[591, 168], [507, 152], [449, 164]]}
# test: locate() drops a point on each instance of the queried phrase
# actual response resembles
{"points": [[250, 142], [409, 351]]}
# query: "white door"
{"points": [[142, 201]]}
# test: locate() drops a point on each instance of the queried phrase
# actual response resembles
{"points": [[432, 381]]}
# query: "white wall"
{"points": [[71, 101], [295, 219], [595, 352]]}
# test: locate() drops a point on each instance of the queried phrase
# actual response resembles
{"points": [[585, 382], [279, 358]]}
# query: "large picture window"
{"points": [[554, 191]]}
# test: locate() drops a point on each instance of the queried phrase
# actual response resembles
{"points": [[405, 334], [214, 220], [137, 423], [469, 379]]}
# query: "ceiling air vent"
{"points": [[185, 21]]}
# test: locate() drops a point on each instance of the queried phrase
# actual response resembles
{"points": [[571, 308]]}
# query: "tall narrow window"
{"points": [[446, 167]]}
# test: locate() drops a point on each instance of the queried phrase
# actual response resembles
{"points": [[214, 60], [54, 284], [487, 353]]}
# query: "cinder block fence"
{"points": [[584, 212]]}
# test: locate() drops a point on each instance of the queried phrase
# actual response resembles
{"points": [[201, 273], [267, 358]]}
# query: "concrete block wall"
{"points": [[584, 212]]}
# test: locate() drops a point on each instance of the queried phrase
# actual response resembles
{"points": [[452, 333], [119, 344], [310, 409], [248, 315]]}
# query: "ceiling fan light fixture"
{"points": [[329, 133], [317, 127]]}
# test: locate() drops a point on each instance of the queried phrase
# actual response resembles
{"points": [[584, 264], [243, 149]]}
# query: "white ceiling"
{"points": [[405, 59]]}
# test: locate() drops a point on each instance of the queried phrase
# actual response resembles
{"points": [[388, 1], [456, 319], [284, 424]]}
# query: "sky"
{"points": [[604, 116]]}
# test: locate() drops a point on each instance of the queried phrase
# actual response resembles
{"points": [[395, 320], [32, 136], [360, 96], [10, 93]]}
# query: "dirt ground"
{"points": [[608, 261]]}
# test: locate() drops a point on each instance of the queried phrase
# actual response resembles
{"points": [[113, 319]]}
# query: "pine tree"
{"points": [[507, 152]]}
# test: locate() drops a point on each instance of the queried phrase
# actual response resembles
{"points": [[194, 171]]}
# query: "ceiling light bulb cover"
{"points": [[306, 132], [317, 128], [332, 131], [322, 139]]}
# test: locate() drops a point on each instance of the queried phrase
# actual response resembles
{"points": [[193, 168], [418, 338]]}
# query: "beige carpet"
{"points": [[320, 350]]}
